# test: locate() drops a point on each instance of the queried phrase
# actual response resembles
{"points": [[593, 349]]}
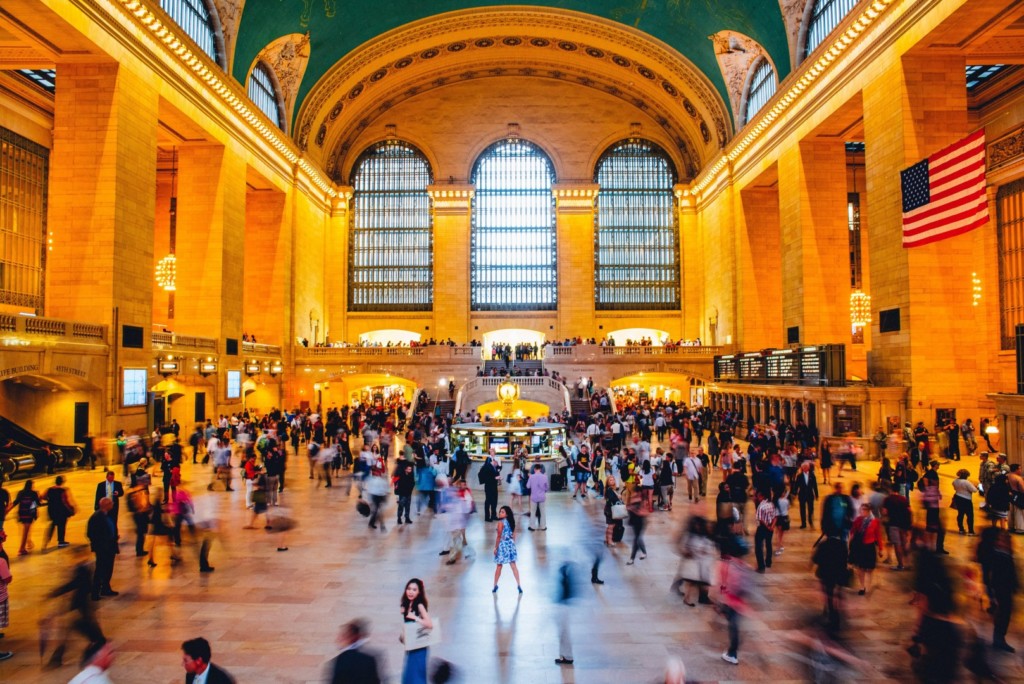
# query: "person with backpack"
{"points": [[837, 514], [27, 502]]}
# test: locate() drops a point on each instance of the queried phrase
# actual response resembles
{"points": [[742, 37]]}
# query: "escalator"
{"points": [[23, 454]]}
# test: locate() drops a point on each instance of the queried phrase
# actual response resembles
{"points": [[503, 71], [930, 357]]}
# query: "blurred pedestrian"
{"points": [[103, 541], [636, 506], [27, 503], [97, 659], [5, 579], [865, 546], [565, 592], [354, 665]]}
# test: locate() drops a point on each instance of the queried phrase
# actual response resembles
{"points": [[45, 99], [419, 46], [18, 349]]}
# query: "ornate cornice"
{"points": [[452, 198], [574, 197]]}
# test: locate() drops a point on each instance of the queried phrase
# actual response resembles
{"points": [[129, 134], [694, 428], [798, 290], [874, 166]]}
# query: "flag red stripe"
{"points": [[964, 194], [963, 211], [940, 164], [942, 235]]}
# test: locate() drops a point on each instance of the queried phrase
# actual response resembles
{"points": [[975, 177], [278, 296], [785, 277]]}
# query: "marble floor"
{"points": [[274, 616]]}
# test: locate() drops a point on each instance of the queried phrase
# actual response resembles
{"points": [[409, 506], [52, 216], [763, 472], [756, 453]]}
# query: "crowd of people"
{"points": [[637, 460]]}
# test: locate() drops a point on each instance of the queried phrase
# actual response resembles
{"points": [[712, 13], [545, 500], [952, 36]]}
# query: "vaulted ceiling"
{"points": [[338, 27]]}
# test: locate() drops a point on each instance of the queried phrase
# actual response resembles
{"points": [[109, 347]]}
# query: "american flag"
{"points": [[944, 195]]}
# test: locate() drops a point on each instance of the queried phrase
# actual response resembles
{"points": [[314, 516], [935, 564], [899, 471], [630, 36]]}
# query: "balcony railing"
{"points": [[53, 327], [166, 339], [434, 352], [592, 350], [260, 348]]}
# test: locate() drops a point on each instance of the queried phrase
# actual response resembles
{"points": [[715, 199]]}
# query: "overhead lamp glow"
{"points": [[167, 273]]}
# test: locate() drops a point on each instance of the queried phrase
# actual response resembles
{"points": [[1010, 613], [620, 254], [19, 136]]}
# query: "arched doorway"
{"points": [[512, 337]]}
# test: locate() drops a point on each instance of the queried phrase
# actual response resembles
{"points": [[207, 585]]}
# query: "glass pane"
{"points": [[23, 182], [513, 250], [263, 94], [391, 238], [636, 237], [827, 14], [193, 17]]}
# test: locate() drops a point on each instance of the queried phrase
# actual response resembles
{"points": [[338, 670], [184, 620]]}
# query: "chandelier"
{"points": [[860, 309], [167, 272]]}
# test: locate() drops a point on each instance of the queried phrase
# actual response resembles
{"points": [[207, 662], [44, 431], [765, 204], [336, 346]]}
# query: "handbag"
{"points": [[416, 636], [619, 511]]}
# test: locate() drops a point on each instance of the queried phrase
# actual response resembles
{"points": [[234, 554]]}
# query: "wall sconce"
{"points": [[167, 365], [207, 366], [276, 368], [975, 289], [253, 368]]}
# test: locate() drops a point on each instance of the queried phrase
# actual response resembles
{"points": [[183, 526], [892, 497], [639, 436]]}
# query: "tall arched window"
{"points": [[390, 242], [636, 238], [195, 18], [760, 88], [263, 92], [513, 235], [825, 16]]}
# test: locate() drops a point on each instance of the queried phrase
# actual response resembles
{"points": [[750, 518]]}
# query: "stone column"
{"points": [[101, 221], [691, 265], [339, 265], [815, 241], [758, 279], [210, 242], [267, 267], [911, 110], [574, 228], [453, 205]]}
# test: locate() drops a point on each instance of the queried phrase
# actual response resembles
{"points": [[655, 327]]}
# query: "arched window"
{"points": [[760, 88], [825, 16], [636, 243], [199, 23], [263, 92], [390, 242], [513, 234]]}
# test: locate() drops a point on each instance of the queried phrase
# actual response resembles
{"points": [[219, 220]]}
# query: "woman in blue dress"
{"points": [[505, 545], [414, 609]]}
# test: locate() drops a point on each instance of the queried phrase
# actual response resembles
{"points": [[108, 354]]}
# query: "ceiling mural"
{"points": [[338, 27]]}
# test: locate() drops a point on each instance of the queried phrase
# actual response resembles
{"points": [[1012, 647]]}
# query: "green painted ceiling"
{"points": [[336, 27]]}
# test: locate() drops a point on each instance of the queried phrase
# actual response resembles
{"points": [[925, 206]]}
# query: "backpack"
{"points": [[833, 519]]}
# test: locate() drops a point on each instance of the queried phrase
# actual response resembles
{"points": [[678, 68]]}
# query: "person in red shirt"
{"points": [[865, 546]]}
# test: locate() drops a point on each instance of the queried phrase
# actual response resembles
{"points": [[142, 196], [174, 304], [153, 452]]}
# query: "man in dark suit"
{"points": [[103, 540], [113, 490], [805, 486], [489, 477], [353, 665], [196, 661]]}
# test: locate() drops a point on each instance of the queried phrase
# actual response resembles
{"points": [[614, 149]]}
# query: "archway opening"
{"points": [[627, 336], [512, 337], [389, 338], [649, 388]]}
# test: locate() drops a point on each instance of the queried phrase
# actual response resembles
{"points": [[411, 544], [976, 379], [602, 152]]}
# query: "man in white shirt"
{"points": [[692, 468]]}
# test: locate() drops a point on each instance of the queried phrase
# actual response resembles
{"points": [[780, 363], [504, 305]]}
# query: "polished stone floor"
{"points": [[274, 616]]}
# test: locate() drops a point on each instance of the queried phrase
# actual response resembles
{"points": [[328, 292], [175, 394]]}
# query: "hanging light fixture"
{"points": [[167, 273], [860, 309]]}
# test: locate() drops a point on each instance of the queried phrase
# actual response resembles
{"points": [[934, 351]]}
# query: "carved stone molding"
{"points": [[451, 199], [793, 13], [230, 14], [1006, 150], [585, 39], [574, 198], [736, 54], [288, 56], [361, 112]]}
